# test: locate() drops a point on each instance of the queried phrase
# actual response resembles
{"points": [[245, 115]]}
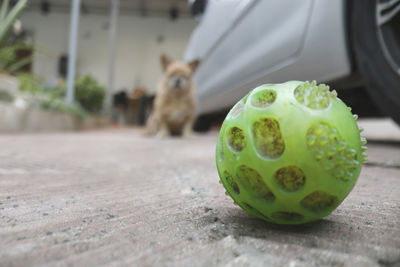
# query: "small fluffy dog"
{"points": [[174, 105]]}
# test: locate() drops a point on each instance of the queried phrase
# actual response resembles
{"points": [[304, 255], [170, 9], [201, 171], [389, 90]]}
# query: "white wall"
{"points": [[138, 52]]}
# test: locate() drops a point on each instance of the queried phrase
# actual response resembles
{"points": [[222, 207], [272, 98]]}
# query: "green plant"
{"points": [[30, 84], [89, 94], [7, 19], [290, 153], [33, 85], [51, 99], [8, 58], [59, 105]]}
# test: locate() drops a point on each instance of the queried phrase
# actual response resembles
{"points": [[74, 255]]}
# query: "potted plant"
{"points": [[8, 63]]}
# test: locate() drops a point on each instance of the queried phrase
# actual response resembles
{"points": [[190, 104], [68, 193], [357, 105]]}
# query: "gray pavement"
{"points": [[113, 197]]}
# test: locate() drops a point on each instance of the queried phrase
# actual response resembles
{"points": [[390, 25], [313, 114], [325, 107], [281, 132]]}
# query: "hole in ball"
{"points": [[319, 201], [236, 139], [252, 181], [268, 138], [263, 98], [290, 178], [231, 182]]}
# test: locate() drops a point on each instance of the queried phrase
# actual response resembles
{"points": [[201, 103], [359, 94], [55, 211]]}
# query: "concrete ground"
{"points": [[113, 197]]}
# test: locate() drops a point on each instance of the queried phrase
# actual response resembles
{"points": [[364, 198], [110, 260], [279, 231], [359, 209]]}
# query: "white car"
{"points": [[244, 43]]}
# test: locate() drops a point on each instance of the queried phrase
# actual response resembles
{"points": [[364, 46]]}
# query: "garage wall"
{"points": [[138, 51]]}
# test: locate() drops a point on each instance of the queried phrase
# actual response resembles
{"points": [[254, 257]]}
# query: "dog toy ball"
{"points": [[290, 153]]}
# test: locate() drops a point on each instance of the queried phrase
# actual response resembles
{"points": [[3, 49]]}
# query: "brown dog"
{"points": [[174, 105]]}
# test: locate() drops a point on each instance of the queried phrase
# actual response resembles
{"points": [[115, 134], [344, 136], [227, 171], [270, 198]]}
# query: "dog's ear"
{"points": [[165, 61], [194, 64]]}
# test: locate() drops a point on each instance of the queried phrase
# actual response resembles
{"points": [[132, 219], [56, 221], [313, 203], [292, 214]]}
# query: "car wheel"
{"points": [[375, 32], [203, 123]]}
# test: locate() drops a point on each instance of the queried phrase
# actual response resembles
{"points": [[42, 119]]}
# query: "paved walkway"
{"points": [[115, 198]]}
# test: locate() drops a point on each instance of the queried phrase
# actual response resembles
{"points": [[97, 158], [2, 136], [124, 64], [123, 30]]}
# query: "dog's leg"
{"points": [[188, 128], [164, 130], [151, 125]]}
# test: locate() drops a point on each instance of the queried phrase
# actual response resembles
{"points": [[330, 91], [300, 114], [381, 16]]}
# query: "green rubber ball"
{"points": [[290, 153]]}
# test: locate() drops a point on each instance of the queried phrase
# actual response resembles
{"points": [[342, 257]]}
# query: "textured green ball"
{"points": [[290, 153]]}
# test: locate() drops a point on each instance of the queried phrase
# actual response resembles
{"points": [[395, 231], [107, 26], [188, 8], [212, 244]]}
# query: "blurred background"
{"points": [[67, 65], [116, 53]]}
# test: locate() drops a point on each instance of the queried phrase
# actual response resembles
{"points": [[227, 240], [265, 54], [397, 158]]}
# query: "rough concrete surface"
{"points": [[115, 198]]}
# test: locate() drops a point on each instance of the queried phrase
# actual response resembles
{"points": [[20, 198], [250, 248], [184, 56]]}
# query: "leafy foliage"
{"points": [[8, 18], [55, 104], [29, 83], [8, 53], [8, 58], [89, 94], [51, 99]]}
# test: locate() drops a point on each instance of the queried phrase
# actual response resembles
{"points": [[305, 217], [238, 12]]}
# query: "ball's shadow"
{"points": [[238, 223]]}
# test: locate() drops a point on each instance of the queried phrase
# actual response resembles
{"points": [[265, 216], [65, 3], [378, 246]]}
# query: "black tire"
{"points": [[360, 102], [382, 81], [203, 123]]}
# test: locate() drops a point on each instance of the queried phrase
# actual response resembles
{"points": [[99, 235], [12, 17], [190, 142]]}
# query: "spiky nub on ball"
{"points": [[290, 153]]}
